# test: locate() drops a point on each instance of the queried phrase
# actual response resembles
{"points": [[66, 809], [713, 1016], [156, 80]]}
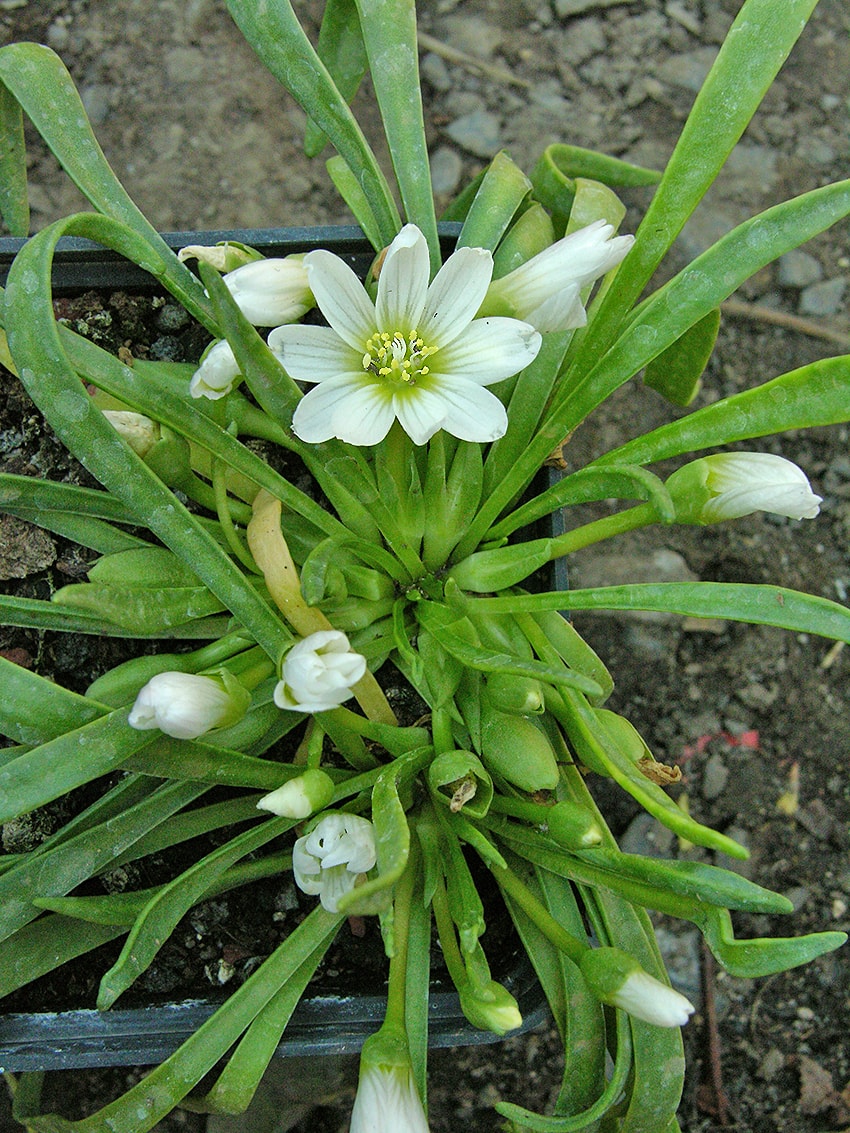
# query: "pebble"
{"points": [[644, 835], [479, 133], [715, 776], [799, 269], [97, 99], [446, 170], [823, 298], [566, 8], [586, 39], [772, 1063], [435, 72], [688, 69]]}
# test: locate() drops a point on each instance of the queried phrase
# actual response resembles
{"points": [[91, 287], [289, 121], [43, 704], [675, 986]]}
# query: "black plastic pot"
{"points": [[323, 1022]]}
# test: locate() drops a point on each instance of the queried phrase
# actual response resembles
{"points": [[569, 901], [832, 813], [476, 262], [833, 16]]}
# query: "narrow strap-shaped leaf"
{"points": [[389, 33], [50, 380], [58, 766], [40, 82], [46, 944], [630, 482], [343, 52], [238, 1081], [816, 394], [26, 491], [756, 46], [158, 919], [766, 956], [692, 294], [102, 537], [279, 40], [161, 1090], [349, 189], [494, 206], [34, 613], [34, 710], [14, 199], [743, 602], [60, 869], [677, 372]]}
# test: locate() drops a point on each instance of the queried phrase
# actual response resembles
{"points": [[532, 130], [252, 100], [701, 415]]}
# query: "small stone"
{"points": [[688, 70], [715, 776], [186, 65], [758, 696], [446, 170], [586, 39], [435, 72], [644, 835], [772, 1063], [566, 8], [24, 548], [479, 133], [97, 99], [474, 36], [799, 269], [823, 298]]}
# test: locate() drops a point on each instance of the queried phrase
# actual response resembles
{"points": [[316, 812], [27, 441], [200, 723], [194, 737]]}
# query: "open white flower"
{"points": [[546, 290], [328, 861], [418, 354], [387, 1100], [187, 706], [729, 485], [215, 376], [271, 292], [318, 673], [615, 977]]}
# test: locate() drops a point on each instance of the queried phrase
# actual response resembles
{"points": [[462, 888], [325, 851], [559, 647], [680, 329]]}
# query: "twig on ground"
{"points": [[760, 314], [498, 74]]}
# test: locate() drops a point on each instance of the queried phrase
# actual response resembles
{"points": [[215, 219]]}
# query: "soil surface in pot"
{"points": [[737, 708]]}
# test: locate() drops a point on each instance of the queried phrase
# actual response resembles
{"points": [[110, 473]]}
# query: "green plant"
{"points": [[437, 391]]}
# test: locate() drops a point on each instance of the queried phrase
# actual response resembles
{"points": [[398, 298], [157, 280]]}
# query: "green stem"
{"points": [[222, 507], [401, 936], [441, 730], [570, 945], [629, 520], [446, 932]]}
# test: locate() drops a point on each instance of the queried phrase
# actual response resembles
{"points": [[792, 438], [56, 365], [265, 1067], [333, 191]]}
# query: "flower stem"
{"points": [[570, 945], [226, 519], [269, 548], [401, 936], [641, 516]]}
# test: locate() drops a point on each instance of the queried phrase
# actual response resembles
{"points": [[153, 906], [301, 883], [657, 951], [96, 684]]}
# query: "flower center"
{"points": [[399, 358]]}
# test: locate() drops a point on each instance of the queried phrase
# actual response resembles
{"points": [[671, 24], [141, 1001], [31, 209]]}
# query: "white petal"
{"points": [[472, 413], [421, 413], [561, 311], [341, 297], [403, 282], [346, 408], [312, 354], [489, 350], [455, 295]]}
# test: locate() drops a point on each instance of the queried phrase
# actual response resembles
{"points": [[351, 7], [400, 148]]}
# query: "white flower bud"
{"points": [[140, 432], [226, 256], [300, 797], [328, 861], [187, 706], [729, 485], [546, 290], [616, 978], [271, 292], [217, 372], [387, 1100], [318, 673]]}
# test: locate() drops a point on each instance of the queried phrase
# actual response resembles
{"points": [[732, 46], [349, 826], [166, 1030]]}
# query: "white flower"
{"points": [[387, 1100], [271, 292], [139, 431], [327, 861], [417, 354], [546, 290], [300, 797], [744, 482], [186, 706], [649, 999], [729, 485], [217, 372], [318, 673], [616, 978]]}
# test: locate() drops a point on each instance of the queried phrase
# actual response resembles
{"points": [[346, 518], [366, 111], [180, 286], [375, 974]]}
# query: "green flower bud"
{"points": [[517, 750], [300, 797], [490, 1007], [522, 695]]}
